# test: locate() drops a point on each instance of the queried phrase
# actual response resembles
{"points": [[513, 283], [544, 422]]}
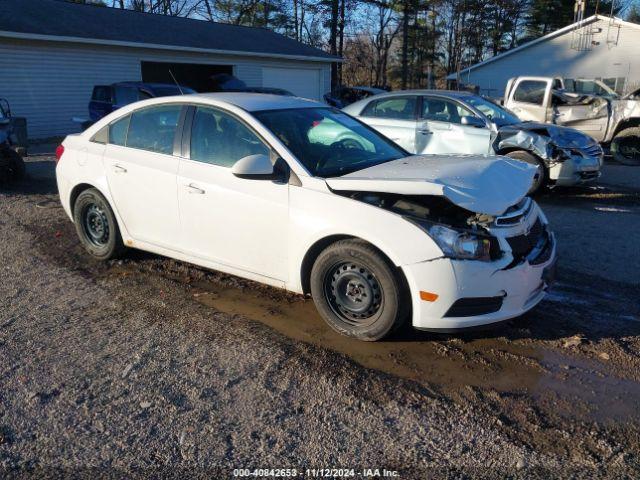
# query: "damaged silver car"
{"points": [[610, 119], [446, 122]]}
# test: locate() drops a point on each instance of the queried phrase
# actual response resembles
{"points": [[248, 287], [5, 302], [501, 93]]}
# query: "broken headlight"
{"points": [[462, 245]]}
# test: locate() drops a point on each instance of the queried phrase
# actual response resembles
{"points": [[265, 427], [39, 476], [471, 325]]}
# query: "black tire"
{"points": [[625, 146], [540, 180], [96, 225], [14, 165], [358, 292]]}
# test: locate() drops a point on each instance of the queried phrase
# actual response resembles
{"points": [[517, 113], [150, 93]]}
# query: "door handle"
{"points": [[424, 131], [118, 169], [193, 189]]}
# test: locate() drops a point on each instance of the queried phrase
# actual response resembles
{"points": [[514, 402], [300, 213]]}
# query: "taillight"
{"points": [[59, 152]]}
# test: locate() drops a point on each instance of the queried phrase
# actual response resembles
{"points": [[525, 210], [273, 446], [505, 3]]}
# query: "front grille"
{"points": [[545, 253], [515, 214], [521, 245], [592, 151], [472, 306]]}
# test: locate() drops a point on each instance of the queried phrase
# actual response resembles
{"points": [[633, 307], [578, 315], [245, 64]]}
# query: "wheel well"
{"points": [[312, 254], [630, 123], [75, 193], [506, 150], [315, 250]]}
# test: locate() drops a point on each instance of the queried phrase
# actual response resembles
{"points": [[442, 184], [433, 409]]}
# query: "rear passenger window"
{"points": [[530, 91], [154, 128], [118, 131], [220, 139], [101, 94], [440, 110], [397, 108]]}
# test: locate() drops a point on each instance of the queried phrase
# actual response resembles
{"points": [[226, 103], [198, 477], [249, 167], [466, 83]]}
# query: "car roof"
{"points": [[255, 102], [447, 93]]}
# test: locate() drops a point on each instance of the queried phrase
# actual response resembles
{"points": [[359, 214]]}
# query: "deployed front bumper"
{"points": [[580, 166], [474, 293]]}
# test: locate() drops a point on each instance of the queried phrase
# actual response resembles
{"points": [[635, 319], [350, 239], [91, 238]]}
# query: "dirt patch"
{"points": [[149, 362]]}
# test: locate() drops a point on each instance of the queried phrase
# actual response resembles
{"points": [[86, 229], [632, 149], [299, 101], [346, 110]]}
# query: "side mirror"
{"points": [[473, 122], [255, 167]]}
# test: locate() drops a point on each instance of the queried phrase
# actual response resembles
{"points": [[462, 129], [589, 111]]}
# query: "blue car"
{"points": [[107, 98]]}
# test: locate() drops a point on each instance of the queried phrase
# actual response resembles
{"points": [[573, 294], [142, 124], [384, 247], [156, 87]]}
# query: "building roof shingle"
{"points": [[59, 18]]}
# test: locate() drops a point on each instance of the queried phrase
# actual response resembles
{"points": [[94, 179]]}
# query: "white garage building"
{"points": [[53, 52], [599, 47]]}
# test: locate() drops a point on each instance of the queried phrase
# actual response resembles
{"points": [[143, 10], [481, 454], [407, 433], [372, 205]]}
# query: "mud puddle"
{"points": [[569, 386]]}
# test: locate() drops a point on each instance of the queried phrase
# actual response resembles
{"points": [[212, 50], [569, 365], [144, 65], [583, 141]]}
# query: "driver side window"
{"points": [[530, 91], [220, 139]]}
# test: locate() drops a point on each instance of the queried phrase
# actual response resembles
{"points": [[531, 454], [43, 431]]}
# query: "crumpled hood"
{"points": [[563, 137], [478, 183]]}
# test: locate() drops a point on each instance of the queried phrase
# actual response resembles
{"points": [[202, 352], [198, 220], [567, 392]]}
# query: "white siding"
{"points": [[51, 82], [555, 57]]}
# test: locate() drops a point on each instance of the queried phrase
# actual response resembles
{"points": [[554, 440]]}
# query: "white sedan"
{"points": [[298, 195]]}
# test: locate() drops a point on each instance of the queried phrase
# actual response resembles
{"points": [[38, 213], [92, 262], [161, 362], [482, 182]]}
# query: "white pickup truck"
{"points": [[608, 119]]}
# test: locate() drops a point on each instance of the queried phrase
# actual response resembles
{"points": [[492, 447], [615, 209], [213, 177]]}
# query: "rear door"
{"points": [[530, 99], [442, 129], [142, 173], [395, 117]]}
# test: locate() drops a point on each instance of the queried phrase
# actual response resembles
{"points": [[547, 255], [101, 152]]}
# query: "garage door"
{"points": [[301, 82]]}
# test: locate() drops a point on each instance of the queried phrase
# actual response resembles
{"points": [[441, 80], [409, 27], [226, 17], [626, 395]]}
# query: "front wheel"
{"points": [[540, 177], [625, 147], [357, 291], [96, 225]]}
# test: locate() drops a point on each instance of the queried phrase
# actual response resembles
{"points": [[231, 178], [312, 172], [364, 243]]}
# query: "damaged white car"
{"points": [[250, 185], [447, 122], [609, 119]]}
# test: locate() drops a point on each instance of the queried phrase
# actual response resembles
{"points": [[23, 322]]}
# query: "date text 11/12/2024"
{"points": [[316, 473]]}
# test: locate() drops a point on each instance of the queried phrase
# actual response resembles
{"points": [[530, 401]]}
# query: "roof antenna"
{"points": [[176, 82]]}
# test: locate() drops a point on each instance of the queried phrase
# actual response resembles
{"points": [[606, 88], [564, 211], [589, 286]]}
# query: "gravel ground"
{"points": [[151, 367]]}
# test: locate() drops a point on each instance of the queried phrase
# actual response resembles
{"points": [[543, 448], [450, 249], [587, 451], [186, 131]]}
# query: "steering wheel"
{"points": [[337, 148]]}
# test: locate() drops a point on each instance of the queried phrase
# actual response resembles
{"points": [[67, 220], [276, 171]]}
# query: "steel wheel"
{"points": [[354, 294], [96, 225]]}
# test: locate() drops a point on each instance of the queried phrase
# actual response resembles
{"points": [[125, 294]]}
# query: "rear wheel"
{"points": [[540, 178], [625, 147], [96, 225], [357, 291]]}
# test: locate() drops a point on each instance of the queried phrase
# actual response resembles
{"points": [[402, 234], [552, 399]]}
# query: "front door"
{"points": [[395, 118], [237, 222], [442, 129], [530, 99], [142, 174]]}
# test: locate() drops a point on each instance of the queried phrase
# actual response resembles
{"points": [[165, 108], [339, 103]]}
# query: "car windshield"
{"points": [[497, 114], [328, 142]]}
